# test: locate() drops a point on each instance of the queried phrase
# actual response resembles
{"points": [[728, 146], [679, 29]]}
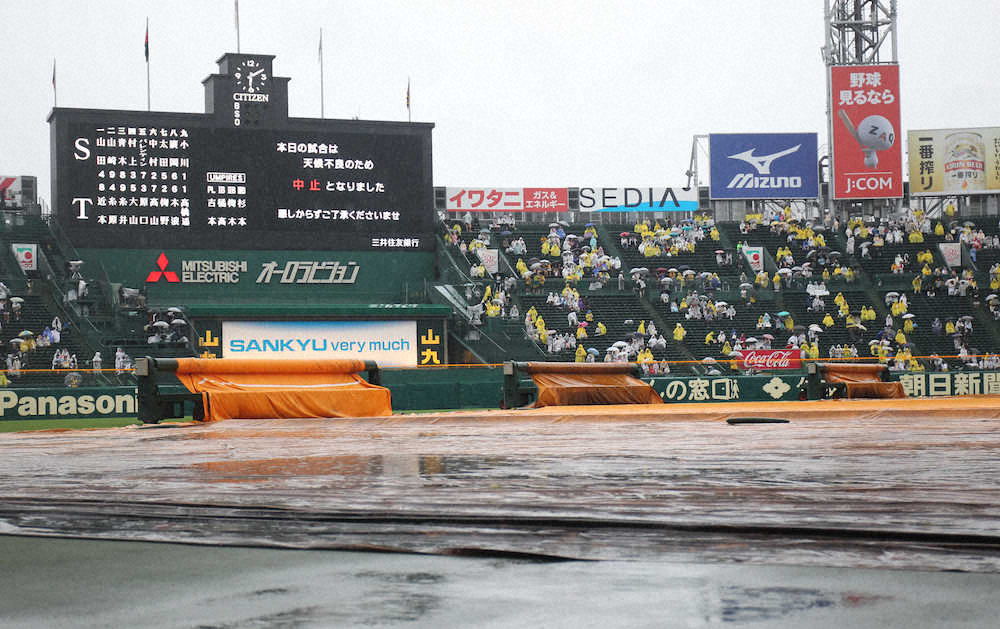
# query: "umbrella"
{"points": [[784, 313], [582, 324], [968, 224], [909, 315], [746, 285], [16, 300], [553, 224], [858, 326], [563, 223], [892, 294], [671, 270], [735, 354], [769, 337], [641, 269], [689, 272], [536, 265], [708, 360], [17, 341], [624, 234], [815, 328], [506, 232], [174, 309], [785, 271], [26, 334], [752, 339], [594, 351], [589, 225], [991, 297], [660, 269], [619, 344], [834, 254], [683, 267], [178, 322], [722, 303], [163, 325], [719, 251], [965, 318]]}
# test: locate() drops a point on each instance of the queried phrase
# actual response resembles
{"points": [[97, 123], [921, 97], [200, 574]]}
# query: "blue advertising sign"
{"points": [[763, 165]]}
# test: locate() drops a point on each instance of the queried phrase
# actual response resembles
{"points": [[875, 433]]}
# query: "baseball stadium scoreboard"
{"points": [[241, 176]]}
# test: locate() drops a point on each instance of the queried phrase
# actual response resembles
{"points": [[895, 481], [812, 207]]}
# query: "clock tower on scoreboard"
{"points": [[245, 93]]}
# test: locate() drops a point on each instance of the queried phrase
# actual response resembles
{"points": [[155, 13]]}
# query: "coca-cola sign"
{"points": [[763, 359]]}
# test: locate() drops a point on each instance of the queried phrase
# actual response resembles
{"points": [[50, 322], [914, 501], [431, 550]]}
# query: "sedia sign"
{"points": [[67, 403]]}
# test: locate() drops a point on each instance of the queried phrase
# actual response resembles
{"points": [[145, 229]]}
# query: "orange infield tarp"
{"points": [[863, 381], [570, 384], [262, 389]]}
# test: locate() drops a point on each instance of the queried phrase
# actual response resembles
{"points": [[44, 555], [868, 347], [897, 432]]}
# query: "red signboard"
{"points": [[764, 359], [507, 199], [867, 149]]}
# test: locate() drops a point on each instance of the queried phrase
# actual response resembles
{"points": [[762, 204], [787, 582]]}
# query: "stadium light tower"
{"points": [[858, 32]]}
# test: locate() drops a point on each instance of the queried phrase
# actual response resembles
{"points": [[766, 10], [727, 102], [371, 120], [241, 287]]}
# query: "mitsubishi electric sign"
{"points": [[763, 165]]}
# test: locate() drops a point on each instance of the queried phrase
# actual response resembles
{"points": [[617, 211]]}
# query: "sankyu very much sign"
{"points": [[390, 343], [763, 166], [597, 199], [867, 154], [765, 359], [954, 161]]}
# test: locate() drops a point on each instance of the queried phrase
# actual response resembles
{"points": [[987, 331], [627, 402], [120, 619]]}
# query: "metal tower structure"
{"points": [[858, 32]]}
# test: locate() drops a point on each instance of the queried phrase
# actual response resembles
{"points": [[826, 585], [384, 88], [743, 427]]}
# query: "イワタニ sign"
{"points": [[867, 153], [954, 161], [26, 254], [485, 199], [763, 166]]}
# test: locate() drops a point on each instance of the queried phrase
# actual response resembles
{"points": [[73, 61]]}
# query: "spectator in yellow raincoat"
{"points": [[679, 332], [939, 229], [581, 354], [907, 325], [828, 320], [601, 329], [642, 327], [900, 338], [949, 327], [710, 338]]}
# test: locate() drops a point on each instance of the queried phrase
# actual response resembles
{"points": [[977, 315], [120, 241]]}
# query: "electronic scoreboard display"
{"points": [[127, 179]]}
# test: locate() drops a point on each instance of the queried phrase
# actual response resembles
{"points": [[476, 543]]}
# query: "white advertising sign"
{"points": [[755, 256], [26, 254], [951, 252], [389, 343], [490, 259]]}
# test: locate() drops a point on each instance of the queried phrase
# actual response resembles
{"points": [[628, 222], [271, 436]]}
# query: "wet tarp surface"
{"points": [[894, 483], [569, 384], [255, 388], [863, 381]]}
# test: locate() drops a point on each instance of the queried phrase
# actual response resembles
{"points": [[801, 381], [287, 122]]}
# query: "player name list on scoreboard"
{"points": [[140, 176]]}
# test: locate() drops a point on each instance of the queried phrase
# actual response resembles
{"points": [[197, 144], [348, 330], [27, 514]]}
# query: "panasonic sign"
{"points": [[763, 166]]}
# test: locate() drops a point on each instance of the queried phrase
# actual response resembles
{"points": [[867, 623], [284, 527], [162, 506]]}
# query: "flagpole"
{"points": [[149, 105], [237, 25], [322, 92], [55, 93], [409, 117]]}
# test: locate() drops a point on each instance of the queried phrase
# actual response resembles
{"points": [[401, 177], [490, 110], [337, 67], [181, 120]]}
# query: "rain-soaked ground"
{"points": [[50, 583], [670, 500]]}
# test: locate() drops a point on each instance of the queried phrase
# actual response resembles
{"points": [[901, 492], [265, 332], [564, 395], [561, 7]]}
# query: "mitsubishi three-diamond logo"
{"points": [[154, 276]]}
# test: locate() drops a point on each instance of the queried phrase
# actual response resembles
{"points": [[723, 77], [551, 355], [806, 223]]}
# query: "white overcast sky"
{"points": [[542, 93]]}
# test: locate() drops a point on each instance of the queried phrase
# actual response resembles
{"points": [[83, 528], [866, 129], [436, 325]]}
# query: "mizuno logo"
{"points": [[763, 163]]}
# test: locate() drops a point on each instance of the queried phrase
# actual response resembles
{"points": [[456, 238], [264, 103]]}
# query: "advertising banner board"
{"points": [[390, 343], [648, 199], [867, 153], [755, 256], [946, 162], [763, 165], [26, 254], [485, 199]]}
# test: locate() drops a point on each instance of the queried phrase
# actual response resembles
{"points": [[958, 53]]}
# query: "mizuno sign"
{"points": [[763, 166]]}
